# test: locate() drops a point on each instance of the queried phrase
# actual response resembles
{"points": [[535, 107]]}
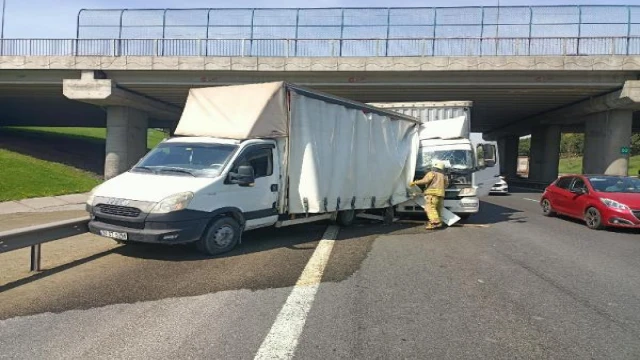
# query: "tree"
{"points": [[524, 146]]}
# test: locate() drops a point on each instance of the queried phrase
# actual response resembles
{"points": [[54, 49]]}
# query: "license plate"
{"points": [[114, 234]]}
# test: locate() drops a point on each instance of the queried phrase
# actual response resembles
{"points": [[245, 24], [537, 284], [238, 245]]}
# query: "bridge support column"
{"points": [[126, 139], [545, 153], [606, 133], [508, 155]]}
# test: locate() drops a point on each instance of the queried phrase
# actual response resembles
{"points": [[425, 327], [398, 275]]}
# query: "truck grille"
{"points": [[125, 211], [125, 224]]}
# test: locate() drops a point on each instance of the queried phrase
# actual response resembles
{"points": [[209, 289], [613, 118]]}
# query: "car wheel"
{"points": [[547, 210], [593, 219], [222, 236]]}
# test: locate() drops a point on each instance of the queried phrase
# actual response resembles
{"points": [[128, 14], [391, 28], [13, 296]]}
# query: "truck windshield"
{"points": [[186, 159], [455, 159]]}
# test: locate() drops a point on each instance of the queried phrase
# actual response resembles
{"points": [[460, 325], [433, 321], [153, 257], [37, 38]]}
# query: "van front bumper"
{"points": [[178, 232]]}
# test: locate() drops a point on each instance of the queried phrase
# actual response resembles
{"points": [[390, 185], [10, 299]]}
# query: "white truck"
{"points": [[257, 155], [471, 163]]}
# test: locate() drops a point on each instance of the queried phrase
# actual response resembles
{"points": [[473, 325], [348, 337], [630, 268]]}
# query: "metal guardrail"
{"points": [[35, 236], [354, 47]]}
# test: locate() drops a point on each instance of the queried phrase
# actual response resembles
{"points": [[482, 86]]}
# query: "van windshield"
{"points": [[186, 159]]}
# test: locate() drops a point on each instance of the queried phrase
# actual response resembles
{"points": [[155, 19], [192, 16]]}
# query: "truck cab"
{"points": [[470, 165]]}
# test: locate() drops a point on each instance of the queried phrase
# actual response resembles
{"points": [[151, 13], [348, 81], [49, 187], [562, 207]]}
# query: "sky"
{"points": [[39, 19]]}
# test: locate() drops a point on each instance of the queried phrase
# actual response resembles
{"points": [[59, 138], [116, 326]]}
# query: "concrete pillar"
{"points": [[508, 147], [126, 139], [606, 133], [545, 153]]}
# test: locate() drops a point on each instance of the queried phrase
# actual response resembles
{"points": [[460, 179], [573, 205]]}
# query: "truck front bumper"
{"points": [[464, 205]]}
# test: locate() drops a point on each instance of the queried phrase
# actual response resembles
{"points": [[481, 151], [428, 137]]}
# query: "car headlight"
{"points": [[614, 204], [470, 191], [92, 196], [174, 202]]}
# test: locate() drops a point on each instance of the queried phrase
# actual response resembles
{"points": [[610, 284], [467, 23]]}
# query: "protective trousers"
{"points": [[433, 207]]}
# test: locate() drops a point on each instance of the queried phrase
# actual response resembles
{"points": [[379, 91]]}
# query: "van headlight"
{"points": [[92, 196], [174, 202], [470, 191]]}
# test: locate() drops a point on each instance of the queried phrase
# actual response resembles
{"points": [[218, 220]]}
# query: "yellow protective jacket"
{"points": [[435, 183]]}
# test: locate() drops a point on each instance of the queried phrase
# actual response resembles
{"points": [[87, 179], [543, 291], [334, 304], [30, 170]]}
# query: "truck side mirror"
{"points": [[489, 152], [244, 177]]}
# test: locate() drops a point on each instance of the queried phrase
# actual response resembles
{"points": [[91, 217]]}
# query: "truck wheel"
{"points": [[346, 218], [222, 235]]}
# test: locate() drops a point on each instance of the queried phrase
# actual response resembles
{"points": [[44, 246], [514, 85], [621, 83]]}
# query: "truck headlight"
{"points": [[470, 191], [614, 204], [174, 202]]}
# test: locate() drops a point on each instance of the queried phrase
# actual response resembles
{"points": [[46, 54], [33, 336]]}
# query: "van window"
{"points": [[261, 159]]}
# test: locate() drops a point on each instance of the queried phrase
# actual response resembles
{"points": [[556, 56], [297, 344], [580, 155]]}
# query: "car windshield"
{"points": [[456, 159], [186, 159], [615, 184]]}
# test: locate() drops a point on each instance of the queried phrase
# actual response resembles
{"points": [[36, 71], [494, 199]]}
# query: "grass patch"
{"points": [[90, 134], [574, 165], [24, 177]]}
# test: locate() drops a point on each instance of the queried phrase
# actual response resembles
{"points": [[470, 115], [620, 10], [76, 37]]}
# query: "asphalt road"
{"points": [[509, 284]]}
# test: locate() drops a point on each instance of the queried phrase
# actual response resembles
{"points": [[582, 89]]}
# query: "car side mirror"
{"points": [[244, 177], [579, 191]]}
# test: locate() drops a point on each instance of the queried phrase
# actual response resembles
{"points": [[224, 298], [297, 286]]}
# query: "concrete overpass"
{"points": [[513, 95]]}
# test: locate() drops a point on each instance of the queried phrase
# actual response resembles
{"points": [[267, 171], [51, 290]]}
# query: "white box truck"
{"points": [[257, 155], [445, 134]]}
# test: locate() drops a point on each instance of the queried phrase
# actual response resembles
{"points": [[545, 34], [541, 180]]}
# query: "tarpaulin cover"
{"points": [[342, 153], [235, 112]]}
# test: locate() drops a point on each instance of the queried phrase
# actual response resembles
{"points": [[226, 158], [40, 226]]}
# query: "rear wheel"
{"points": [[593, 219], [546, 208], [222, 236], [346, 218]]}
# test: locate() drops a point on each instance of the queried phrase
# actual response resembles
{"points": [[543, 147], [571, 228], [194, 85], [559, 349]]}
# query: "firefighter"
{"points": [[435, 182]]}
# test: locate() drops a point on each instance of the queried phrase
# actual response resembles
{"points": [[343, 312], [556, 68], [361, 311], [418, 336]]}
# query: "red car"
{"points": [[600, 200]]}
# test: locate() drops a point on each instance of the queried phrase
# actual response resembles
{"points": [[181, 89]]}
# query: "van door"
{"points": [[259, 201], [489, 173]]}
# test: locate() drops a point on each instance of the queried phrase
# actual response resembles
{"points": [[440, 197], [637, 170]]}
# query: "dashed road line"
{"points": [[282, 340], [534, 200]]}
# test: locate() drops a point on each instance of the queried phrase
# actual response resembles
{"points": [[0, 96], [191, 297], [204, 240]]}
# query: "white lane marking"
{"points": [[534, 200], [282, 340]]}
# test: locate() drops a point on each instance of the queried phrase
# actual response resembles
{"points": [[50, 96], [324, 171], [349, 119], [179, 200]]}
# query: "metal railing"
{"points": [[35, 236], [340, 23], [425, 47]]}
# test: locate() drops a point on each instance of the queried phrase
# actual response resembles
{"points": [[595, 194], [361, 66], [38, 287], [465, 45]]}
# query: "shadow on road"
{"points": [[52, 271]]}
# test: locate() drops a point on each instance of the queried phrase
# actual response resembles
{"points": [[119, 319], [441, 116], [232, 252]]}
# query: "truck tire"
{"points": [[220, 237], [346, 217]]}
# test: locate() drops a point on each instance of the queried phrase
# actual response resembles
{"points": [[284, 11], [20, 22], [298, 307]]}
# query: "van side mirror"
{"points": [[244, 177]]}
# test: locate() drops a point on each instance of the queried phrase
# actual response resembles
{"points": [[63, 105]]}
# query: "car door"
{"points": [[258, 202], [561, 196], [578, 198]]}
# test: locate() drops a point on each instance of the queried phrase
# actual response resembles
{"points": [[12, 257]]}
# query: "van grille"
{"points": [[125, 211]]}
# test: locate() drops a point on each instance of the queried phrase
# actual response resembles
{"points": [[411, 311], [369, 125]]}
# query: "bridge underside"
{"points": [[507, 103]]}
